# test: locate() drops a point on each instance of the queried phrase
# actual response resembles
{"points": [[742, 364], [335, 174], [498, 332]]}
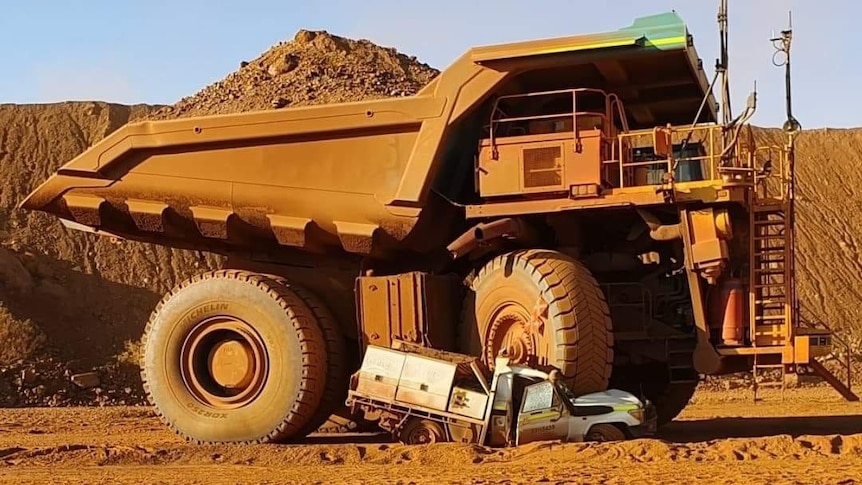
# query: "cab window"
{"points": [[540, 396]]}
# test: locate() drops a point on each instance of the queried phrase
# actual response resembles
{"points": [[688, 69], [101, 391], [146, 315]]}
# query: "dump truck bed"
{"points": [[353, 177]]}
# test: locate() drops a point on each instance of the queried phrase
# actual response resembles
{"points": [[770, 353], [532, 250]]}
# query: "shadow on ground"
{"points": [[753, 427]]}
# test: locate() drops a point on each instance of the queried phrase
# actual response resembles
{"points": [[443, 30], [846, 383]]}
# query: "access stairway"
{"points": [[779, 339]]}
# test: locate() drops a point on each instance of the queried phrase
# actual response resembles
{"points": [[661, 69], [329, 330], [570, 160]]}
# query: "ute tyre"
{"points": [[418, 431], [335, 388], [185, 369], [605, 432], [575, 335]]}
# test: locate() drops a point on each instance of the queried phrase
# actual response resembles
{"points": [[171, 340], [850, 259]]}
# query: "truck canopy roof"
{"points": [[651, 65]]}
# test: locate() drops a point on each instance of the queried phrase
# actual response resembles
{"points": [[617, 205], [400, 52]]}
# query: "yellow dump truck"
{"points": [[573, 201], [423, 395]]}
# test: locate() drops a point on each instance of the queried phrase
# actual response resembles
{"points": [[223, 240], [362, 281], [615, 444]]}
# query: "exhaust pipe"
{"points": [[488, 231]]}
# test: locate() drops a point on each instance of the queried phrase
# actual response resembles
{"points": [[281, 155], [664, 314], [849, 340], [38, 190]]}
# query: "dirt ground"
{"points": [[810, 437]]}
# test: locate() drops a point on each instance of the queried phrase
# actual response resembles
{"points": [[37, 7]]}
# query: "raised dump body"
{"points": [[349, 177]]}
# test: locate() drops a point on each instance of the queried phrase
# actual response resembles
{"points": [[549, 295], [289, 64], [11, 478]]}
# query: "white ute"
{"points": [[422, 395]]}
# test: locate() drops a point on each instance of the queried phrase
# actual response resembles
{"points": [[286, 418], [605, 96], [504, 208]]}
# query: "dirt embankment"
{"points": [[81, 299]]}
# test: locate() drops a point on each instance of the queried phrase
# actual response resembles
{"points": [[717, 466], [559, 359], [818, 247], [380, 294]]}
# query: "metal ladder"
{"points": [[771, 282], [769, 276]]}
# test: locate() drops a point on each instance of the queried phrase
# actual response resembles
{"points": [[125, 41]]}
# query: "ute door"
{"points": [[541, 415]]}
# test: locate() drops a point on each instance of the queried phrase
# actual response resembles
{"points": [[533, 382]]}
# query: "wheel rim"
{"points": [[223, 363], [423, 433], [510, 330]]}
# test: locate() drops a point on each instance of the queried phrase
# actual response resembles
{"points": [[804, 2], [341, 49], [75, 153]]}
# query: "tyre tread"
{"points": [[311, 341]]}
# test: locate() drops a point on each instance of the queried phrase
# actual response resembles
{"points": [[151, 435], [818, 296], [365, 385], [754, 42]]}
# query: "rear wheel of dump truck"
{"points": [[546, 310], [232, 356], [335, 389]]}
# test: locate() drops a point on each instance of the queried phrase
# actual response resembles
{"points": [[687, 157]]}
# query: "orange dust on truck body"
{"points": [[575, 202]]}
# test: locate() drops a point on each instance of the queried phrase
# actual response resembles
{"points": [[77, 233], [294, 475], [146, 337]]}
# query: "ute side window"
{"points": [[539, 396]]}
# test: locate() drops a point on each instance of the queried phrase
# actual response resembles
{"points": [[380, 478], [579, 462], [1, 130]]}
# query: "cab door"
{"points": [[542, 415]]}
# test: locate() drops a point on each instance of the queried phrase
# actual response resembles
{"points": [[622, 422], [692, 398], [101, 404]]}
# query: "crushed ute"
{"points": [[425, 396], [577, 203]]}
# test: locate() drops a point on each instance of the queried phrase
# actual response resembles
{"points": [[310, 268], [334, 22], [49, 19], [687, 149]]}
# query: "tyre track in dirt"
{"points": [[810, 437]]}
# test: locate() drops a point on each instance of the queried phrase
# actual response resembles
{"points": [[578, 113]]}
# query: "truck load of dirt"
{"points": [[314, 68]]}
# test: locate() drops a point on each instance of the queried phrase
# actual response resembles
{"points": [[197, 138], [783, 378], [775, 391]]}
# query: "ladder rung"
{"points": [[770, 223], [770, 285], [770, 384], [763, 318], [774, 250], [770, 270], [768, 237], [770, 302], [769, 366], [761, 207]]}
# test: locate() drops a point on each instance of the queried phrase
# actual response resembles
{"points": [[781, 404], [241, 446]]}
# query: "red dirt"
{"points": [[810, 437]]}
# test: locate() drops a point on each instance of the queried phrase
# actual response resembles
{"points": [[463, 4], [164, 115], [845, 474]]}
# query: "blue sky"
{"points": [[159, 51]]}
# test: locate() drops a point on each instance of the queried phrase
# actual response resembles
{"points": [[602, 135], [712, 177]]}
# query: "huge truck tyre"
{"points": [[672, 400], [232, 356], [332, 416], [546, 310], [652, 381]]}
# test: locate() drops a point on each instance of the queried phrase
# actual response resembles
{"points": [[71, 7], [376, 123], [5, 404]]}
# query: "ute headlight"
{"points": [[638, 414]]}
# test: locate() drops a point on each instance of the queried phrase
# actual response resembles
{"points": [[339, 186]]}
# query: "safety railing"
{"points": [[637, 163], [611, 111], [769, 166], [701, 151]]}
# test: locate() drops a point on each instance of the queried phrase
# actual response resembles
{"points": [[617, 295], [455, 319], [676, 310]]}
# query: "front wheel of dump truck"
{"points": [[651, 380], [234, 357], [545, 310]]}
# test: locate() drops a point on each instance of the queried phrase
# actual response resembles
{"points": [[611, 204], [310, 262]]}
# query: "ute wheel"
{"points": [[418, 431], [652, 381], [604, 432], [231, 356], [335, 390], [546, 310]]}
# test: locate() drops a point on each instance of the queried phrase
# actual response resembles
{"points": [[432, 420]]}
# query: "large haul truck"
{"points": [[574, 202]]}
